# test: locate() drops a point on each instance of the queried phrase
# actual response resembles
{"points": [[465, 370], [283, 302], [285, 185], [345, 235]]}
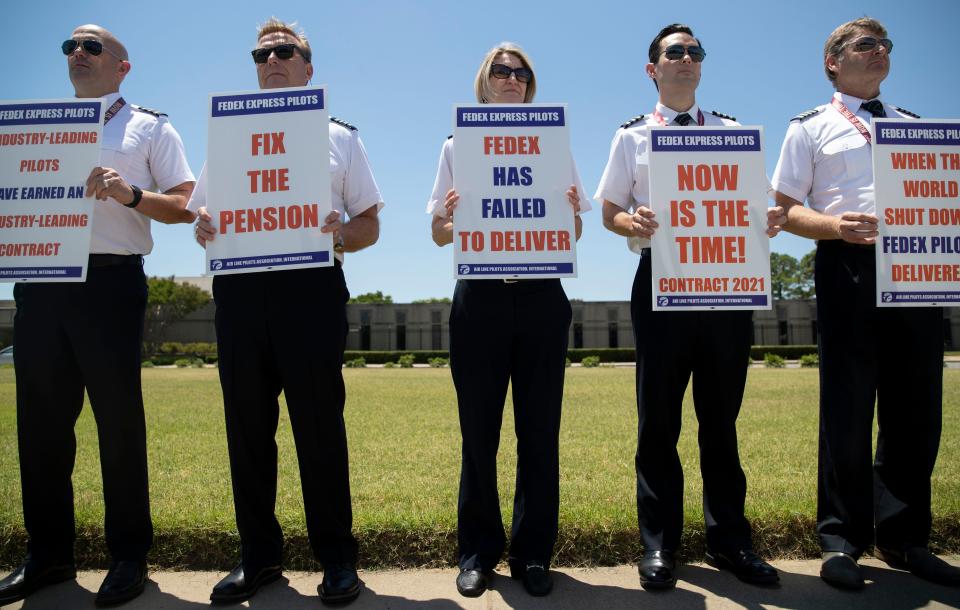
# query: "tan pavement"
{"points": [[700, 586]]}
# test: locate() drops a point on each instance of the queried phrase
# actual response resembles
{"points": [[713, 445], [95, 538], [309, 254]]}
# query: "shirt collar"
{"points": [[851, 102], [669, 114]]}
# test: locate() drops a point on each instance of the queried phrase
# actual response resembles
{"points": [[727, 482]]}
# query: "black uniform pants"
{"points": [[502, 332], [713, 347], [891, 355], [72, 337], [286, 330]]}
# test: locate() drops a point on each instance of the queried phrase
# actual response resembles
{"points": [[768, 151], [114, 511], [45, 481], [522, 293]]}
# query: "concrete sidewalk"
{"points": [[700, 586]]}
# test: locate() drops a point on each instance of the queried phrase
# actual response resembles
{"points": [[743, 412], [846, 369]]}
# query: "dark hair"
{"points": [[673, 28]]}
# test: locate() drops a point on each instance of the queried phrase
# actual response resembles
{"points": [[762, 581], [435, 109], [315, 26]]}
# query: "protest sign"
{"points": [[47, 150], [512, 168], [916, 170], [708, 189], [268, 180]]}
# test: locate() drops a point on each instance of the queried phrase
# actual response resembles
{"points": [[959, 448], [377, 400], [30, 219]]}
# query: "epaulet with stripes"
{"points": [[632, 121], [806, 115], [342, 123], [155, 113], [907, 112], [450, 137], [722, 116]]}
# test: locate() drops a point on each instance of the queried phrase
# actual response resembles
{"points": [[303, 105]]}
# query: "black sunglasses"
{"points": [[869, 43], [676, 52], [523, 75], [283, 51], [91, 47]]}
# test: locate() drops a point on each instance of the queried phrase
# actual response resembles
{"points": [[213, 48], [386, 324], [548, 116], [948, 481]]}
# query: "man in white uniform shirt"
{"points": [[711, 346], [893, 355], [286, 331], [72, 337]]}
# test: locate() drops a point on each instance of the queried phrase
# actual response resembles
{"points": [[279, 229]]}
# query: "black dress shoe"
{"points": [[746, 565], [841, 570], [471, 583], [340, 585], [30, 576], [237, 587], [656, 570], [124, 581], [922, 564], [534, 574]]}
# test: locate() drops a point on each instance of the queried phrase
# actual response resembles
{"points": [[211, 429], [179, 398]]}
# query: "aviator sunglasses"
{"points": [[91, 47], [283, 51], [676, 52], [524, 75], [869, 43]]}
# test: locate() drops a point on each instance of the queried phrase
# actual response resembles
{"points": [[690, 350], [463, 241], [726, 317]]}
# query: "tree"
{"points": [[433, 300], [372, 298], [790, 278], [168, 302]]}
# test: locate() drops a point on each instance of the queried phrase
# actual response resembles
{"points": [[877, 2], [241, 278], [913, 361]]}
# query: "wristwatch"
{"points": [[338, 246], [137, 196]]}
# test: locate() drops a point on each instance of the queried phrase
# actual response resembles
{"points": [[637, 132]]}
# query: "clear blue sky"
{"points": [[394, 68]]}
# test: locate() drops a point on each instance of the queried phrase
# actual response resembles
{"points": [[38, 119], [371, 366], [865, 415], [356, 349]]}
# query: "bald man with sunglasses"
{"points": [[891, 356], [73, 337], [711, 346]]}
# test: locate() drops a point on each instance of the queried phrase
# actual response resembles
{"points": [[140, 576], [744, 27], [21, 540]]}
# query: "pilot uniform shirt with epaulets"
{"points": [[626, 181], [826, 161], [145, 149], [444, 182], [352, 187]]}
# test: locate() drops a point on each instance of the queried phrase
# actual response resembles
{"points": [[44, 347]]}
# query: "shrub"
{"points": [[438, 363], [590, 361], [791, 352], [356, 363], [567, 362], [182, 363], [809, 360], [146, 364], [389, 364], [406, 361], [773, 361]]}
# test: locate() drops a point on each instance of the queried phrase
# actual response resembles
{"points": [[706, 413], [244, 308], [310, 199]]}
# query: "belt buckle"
{"points": [[508, 280]]}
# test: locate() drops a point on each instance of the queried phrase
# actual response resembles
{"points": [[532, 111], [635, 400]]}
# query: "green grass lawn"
{"points": [[404, 455]]}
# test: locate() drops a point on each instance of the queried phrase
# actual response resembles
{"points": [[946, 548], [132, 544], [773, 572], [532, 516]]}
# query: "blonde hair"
{"points": [[844, 34], [274, 25], [481, 85]]}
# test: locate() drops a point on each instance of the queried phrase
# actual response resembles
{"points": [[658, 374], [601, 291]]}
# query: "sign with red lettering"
{"points": [[47, 149], [708, 188], [512, 168], [916, 171], [268, 180]]}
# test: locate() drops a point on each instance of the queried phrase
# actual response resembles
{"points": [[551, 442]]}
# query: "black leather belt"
{"points": [[112, 260], [839, 243]]}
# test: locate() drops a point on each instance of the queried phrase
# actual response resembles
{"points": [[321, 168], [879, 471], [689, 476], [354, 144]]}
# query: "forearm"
{"points": [[617, 220], [168, 208], [579, 226], [442, 230], [360, 232], [807, 223]]}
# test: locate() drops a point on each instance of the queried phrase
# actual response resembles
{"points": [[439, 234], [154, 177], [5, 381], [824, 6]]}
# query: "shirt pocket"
{"points": [[846, 157]]}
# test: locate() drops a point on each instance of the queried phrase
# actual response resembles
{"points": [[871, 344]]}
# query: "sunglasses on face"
{"points": [[676, 52], [869, 43], [282, 51], [523, 75], [90, 47]]}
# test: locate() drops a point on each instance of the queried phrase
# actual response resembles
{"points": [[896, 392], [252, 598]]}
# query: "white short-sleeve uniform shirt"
{"points": [[826, 161], [353, 189], [147, 152], [626, 179]]}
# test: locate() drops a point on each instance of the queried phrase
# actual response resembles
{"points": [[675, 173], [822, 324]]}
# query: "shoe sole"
{"points": [[232, 599], [722, 564], [53, 579], [343, 598]]}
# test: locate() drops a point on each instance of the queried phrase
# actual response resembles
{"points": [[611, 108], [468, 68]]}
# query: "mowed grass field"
{"points": [[404, 460]]}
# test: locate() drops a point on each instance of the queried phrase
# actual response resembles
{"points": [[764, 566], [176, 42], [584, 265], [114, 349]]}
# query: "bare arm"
{"points": [[852, 227], [359, 232], [639, 224], [169, 207]]}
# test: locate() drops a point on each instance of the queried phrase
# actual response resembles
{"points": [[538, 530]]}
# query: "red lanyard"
{"points": [[663, 121], [113, 110], [842, 109]]}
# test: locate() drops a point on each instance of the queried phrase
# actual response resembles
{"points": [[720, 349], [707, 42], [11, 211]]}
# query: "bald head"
{"points": [[97, 74], [103, 35]]}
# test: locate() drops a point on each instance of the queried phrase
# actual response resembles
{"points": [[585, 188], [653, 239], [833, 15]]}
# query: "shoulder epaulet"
{"points": [[907, 112], [806, 115], [722, 116], [155, 113], [632, 121], [450, 137], [342, 123]]}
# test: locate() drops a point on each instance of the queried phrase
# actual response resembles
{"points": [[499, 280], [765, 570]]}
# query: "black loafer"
{"points": [[237, 587], [471, 583], [30, 576], [124, 581], [922, 564], [340, 585], [841, 570], [746, 565], [657, 570]]}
